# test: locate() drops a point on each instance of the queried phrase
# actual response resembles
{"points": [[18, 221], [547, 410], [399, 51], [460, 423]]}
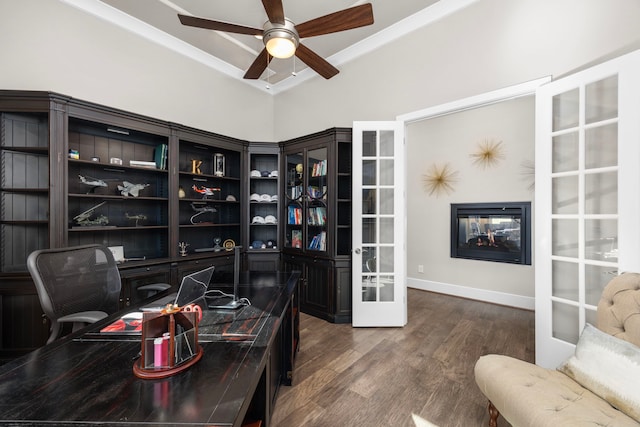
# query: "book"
{"points": [[142, 164], [296, 238], [160, 156]]}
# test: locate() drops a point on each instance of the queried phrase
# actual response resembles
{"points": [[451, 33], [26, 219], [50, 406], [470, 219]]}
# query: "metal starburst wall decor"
{"points": [[489, 153], [439, 179]]}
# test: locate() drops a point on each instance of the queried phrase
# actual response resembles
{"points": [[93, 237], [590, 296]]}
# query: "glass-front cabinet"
{"points": [[306, 200], [316, 220]]}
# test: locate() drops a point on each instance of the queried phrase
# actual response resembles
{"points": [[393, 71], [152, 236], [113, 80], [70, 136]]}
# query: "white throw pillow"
{"points": [[609, 367]]}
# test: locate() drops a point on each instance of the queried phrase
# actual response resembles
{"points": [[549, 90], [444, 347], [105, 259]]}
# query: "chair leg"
{"points": [[493, 415]]}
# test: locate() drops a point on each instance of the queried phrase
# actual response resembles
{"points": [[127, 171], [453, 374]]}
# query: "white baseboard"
{"points": [[502, 298]]}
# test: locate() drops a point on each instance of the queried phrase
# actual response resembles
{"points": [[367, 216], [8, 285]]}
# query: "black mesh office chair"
{"points": [[78, 285]]}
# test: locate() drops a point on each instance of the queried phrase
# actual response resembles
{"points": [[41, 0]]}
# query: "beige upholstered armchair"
{"points": [[599, 385]]}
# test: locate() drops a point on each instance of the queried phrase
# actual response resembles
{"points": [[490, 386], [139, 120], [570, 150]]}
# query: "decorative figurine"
{"points": [[299, 169], [202, 209], [229, 244], [181, 193], [84, 218], [195, 166], [183, 248], [218, 164], [136, 218], [217, 241], [93, 182], [128, 188], [206, 191]]}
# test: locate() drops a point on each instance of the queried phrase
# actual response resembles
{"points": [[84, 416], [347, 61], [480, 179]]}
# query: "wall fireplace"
{"points": [[499, 232]]}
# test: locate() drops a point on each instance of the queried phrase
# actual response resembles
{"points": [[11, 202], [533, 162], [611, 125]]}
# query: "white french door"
{"points": [[587, 197], [378, 225]]}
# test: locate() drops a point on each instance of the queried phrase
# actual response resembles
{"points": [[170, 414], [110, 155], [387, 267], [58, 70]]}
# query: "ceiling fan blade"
{"points": [[313, 60], [354, 17], [259, 65], [274, 10], [208, 24]]}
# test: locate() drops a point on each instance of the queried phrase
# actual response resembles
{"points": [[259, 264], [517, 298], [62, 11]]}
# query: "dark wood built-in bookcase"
{"points": [[169, 199]]}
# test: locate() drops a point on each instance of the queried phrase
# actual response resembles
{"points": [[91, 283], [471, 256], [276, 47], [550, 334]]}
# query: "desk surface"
{"points": [[87, 378]]}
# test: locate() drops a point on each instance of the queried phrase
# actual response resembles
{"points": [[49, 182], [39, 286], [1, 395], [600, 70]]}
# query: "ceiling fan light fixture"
{"points": [[281, 40]]}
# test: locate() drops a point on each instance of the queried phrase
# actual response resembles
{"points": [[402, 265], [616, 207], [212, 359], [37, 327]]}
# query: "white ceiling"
{"points": [[234, 53]]}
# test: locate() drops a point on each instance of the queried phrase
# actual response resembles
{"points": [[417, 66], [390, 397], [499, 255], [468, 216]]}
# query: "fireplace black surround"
{"points": [[499, 232]]}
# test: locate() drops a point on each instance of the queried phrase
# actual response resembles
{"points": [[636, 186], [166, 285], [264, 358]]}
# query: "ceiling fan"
{"points": [[281, 36]]}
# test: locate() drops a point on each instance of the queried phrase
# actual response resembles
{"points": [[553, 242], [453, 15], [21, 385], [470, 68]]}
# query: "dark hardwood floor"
{"points": [[411, 376]]}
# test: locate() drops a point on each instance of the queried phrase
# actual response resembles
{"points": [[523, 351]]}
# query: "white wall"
{"points": [[51, 46], [451, 140], [490, 45], [48, 45]]}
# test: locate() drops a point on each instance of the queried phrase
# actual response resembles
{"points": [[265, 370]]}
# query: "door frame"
{"points": [[485, 99]]}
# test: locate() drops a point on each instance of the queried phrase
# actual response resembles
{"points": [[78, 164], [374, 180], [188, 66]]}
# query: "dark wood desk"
{"points": [[87, 378]]}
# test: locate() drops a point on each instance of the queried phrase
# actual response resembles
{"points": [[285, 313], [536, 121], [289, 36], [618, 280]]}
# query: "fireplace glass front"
{"points": [[498, 232]]}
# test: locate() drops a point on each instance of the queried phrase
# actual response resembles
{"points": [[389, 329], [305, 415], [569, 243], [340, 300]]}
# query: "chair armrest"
{"points": [[83, 316]]}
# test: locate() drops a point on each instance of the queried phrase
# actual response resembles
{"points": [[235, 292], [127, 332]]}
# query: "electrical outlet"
{"points": [[421, 268]]}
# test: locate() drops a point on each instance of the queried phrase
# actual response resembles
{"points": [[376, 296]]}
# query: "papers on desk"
{"points": [[129, 324]]}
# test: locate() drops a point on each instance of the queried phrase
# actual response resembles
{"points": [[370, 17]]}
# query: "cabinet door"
{"points": [[587, 200], [316, 197], [306, 200], [316, 290], [295, 198]]}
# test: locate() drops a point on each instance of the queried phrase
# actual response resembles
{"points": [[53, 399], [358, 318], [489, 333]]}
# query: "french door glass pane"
{"points": [[565, 152], [386, 288], [386, 230], [601, 193], [601, 146], [386, 142], [370, 260], [369, 230], [565, 280], [601, 239], [566, 109], [564, 195], [565, 237], [601, 100], [386, 201], [565, 323], [596, 278], [368, 201], [369, 172], [386, 259], [369, 145], [386, 171]]}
